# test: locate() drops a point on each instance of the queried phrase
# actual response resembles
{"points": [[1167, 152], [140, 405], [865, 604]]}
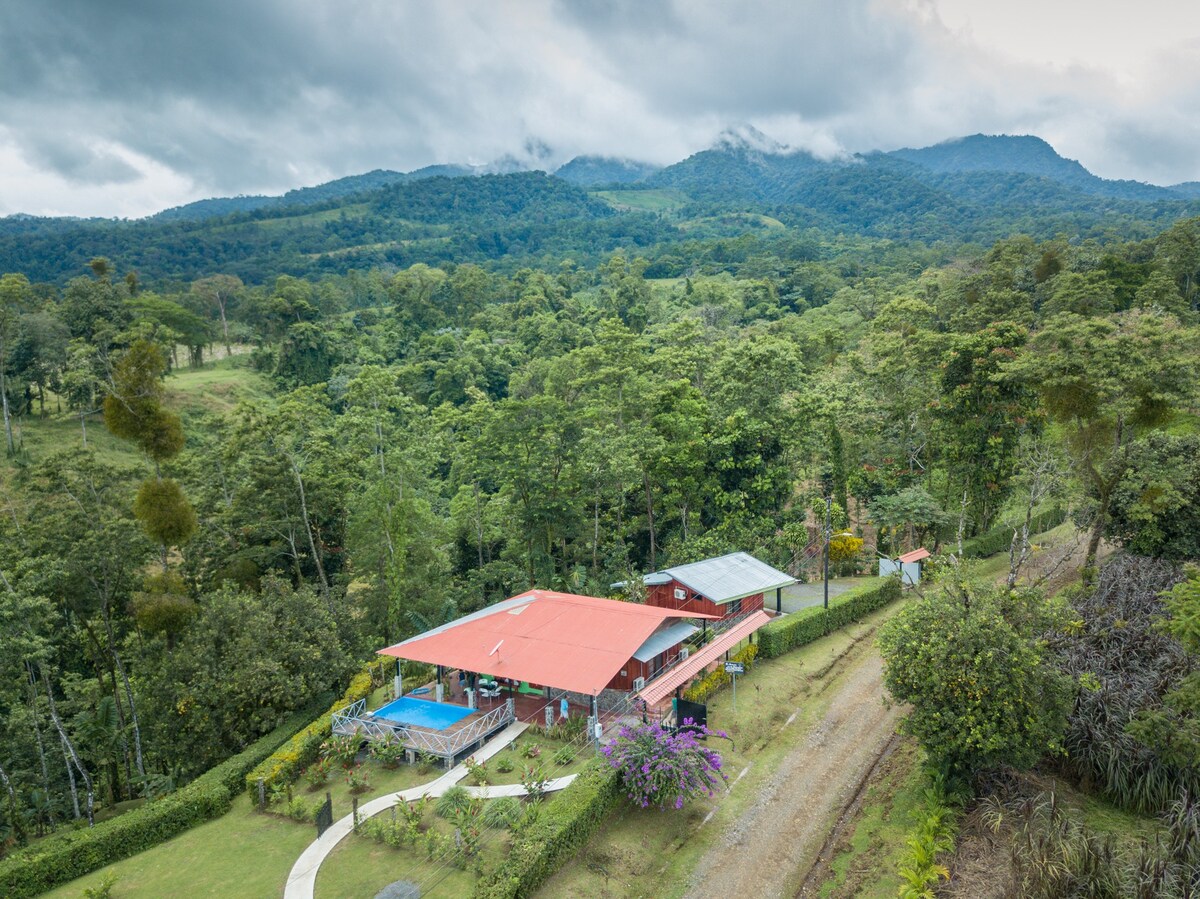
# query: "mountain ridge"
{"points": [[752, 164]]}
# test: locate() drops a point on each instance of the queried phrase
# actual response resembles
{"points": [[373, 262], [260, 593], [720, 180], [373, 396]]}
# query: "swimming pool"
{"points": [[422, 712]]}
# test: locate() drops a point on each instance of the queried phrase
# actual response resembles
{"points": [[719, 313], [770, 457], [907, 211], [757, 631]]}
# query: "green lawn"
{"points": [[637, 852], [216, 386], [243, 855], [360, 867]]}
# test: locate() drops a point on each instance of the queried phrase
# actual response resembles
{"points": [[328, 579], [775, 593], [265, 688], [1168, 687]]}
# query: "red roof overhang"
{"points": [[662, 687], [915, 556], [576, 643]]}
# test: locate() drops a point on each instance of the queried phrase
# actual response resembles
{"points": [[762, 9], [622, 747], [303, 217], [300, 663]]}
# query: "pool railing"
{"points": [[354, 720]]}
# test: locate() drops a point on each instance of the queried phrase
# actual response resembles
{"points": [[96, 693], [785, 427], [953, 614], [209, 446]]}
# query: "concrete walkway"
{"points": [[303, 877], [494, 791]]}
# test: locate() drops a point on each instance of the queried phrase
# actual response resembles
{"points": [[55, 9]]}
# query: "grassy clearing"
{"points": [[865, 862], [647, 852], [216, 386], [745, 218], [664, 200], [193, 392], [360, 867], [243, 855]]}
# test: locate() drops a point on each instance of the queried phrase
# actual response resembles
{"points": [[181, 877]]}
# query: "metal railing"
{"points": [[353, 720]]}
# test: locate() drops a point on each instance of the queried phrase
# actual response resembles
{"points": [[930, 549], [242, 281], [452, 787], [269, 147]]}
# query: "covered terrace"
{"points": [[544, 647]]}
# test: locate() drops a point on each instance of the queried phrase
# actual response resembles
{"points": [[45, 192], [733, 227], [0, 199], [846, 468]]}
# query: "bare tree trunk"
{"points": [[37, 732], [15, 813], [69, 749], [83, 426], [224, 324], [133, 718], [962, 523], [8, 434], [312, 544], [650, 521], [596, 534], [1093, 546]]}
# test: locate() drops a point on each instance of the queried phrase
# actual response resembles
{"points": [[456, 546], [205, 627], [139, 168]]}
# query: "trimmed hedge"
{"points": [[999, 539], [786, 633], [560, 829], [63, 857], [285, 764]]}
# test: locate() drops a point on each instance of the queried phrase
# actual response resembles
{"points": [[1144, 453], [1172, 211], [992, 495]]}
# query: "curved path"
{"points": [[303, 877]]}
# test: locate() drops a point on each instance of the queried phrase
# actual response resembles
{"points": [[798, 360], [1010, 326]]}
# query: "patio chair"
{"points": [[489, 689]]}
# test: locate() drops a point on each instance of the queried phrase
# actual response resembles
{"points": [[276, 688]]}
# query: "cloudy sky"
{"points": [[125, 107]]}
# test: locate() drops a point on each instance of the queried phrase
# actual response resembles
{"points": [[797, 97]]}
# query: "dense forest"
{"points": [[456, 388]]}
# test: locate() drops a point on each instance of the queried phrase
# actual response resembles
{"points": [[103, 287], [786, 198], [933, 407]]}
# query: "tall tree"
{"points": [[1107, 381]]}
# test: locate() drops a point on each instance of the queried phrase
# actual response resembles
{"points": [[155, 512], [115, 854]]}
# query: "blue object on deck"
{"points": [[422, 713], [419, 691]]}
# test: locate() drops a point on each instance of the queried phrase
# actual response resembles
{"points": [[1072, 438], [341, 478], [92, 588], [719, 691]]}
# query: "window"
{"points": [[734, 608]]}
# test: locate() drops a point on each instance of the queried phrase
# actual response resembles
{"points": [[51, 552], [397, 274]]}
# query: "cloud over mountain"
{"points": [[124, 107]]}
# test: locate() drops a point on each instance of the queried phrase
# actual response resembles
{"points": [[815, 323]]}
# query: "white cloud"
{"points": [[113, 109]]}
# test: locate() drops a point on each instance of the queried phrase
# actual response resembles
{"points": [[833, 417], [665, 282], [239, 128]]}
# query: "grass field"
{"points": [[664, 200], [215, 387], [243, 855]]}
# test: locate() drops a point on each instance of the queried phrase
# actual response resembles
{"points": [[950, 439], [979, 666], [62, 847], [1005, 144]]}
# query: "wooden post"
{"points": [[354, 806]]}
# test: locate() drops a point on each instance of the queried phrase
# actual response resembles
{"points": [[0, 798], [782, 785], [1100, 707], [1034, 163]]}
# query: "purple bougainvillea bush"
{"points": [[665, 769]]}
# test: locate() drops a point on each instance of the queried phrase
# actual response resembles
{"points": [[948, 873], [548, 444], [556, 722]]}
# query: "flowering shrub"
{"points": [[388, 753], [358, 780], [477, 771], [534, 780], [340, 750], [316, 774], [662, 768]]}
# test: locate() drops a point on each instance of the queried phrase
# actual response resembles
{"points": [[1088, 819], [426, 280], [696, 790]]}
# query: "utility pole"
{"points": [[828, 535]]}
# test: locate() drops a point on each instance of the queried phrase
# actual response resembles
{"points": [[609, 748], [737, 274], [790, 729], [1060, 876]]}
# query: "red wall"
{"points": [[663, 596]]}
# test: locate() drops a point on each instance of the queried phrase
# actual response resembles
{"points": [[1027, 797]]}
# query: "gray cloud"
{"points": [[148, 104]]}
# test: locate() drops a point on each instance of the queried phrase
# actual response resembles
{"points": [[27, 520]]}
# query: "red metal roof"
{"points": [[662, 687], [916, 555], [577, 643]]}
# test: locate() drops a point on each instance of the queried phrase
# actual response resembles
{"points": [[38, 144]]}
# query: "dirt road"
{"points": [[769, 850]]}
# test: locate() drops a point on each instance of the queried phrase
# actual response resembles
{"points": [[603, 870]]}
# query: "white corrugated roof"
{"points": [[664, 639], [727, 578]]}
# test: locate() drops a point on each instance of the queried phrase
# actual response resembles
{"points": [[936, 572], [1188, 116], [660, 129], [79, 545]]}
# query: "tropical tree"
{"points": [[1108, 381]]}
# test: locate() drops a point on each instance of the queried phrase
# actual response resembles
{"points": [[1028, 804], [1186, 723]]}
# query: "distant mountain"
{"points": [[330, 190], [1023, 155], [977, 189], [594, 171]]}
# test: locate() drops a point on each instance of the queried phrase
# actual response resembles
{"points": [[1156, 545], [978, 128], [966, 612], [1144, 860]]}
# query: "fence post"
{"points": [[354, 811], [262, 794]]}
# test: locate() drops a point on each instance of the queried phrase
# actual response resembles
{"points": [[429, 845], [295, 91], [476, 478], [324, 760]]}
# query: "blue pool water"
{"points": [[422, 712]]}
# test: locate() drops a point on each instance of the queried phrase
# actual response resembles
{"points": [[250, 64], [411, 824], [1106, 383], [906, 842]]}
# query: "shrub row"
{"points": [[998, 539], [706, 686], [65, 856], [807, 625], [561, 828], [285, 764]]}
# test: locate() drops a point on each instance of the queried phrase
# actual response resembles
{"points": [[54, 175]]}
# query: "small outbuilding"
{"points": [[909, 566]]}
